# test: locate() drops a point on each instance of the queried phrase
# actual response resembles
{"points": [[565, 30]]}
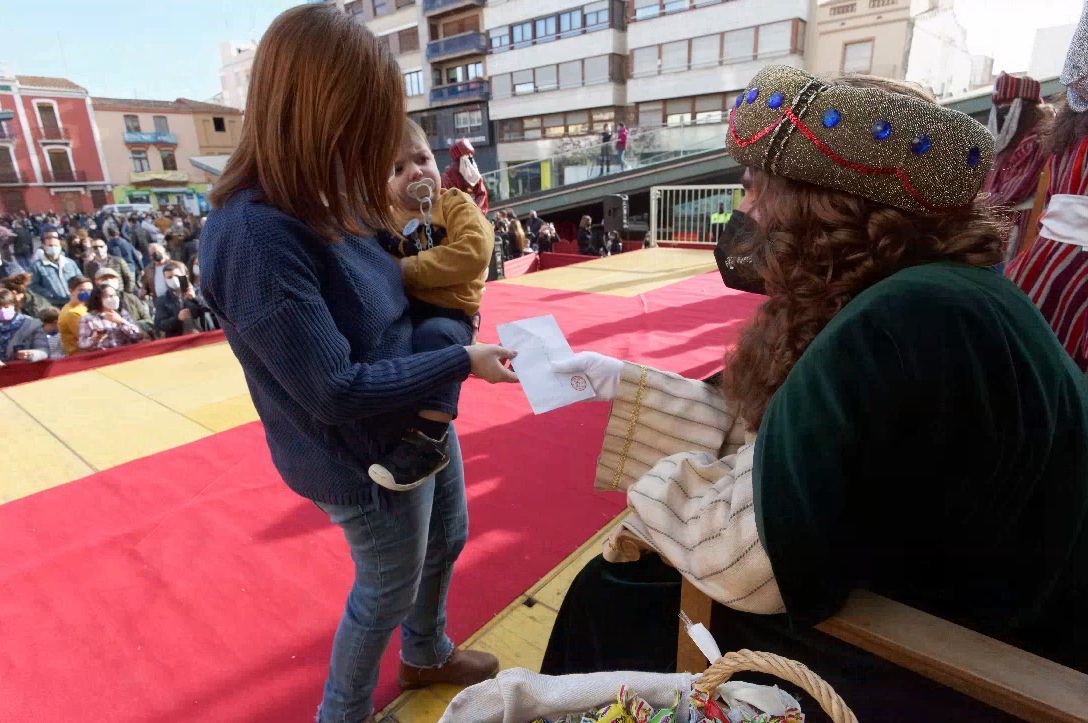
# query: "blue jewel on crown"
{"points": [[881, 130], [974, 157], [740, 99], [752, 95], [775, 101], [831, 118], [920, 144]]}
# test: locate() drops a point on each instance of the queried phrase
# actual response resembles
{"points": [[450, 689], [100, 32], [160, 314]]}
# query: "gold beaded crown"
{"points": [[889, 147]]}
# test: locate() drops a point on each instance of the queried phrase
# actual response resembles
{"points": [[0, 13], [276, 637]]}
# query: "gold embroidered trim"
{"points": [[631, 424]]}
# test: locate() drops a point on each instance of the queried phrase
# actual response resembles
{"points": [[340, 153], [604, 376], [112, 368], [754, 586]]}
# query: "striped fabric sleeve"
{"points": [[674, 415], [698, 513]]}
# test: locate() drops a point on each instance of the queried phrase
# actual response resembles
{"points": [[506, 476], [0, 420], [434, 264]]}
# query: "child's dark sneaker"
{"points": [[415, 458]]}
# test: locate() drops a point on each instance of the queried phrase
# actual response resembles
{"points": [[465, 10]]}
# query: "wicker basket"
{"points": [[784, 668]]}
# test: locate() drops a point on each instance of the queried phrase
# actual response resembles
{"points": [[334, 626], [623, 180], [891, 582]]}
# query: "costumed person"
{"points": [[1054, 271], [463, 174], [315, 310], [896, 417], [1016, 117], [443, 258]]}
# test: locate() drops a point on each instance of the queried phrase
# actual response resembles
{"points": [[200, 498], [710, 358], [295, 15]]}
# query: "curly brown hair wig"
{"points": [[816, 249], [1064, 130]]}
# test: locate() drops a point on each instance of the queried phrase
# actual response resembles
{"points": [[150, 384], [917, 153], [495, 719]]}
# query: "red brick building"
{"points": [[50, 154]]}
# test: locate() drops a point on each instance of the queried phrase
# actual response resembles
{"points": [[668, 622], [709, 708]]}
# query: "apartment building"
{"points": [[149, 146], [440, 48], [50, 154], [916, 40], [562, 71], [235, 66]]}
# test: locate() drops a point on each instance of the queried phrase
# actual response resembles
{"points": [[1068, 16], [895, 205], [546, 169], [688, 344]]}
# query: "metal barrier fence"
{"points": [[691, 214]]}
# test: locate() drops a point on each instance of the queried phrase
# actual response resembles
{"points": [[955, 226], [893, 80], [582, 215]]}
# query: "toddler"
{"points": [[444, 245]]}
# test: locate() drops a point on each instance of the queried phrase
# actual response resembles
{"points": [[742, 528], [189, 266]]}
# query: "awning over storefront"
{"points": [[210, 164]]}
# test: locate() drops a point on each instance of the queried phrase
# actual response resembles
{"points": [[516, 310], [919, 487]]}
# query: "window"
{"points": [[429, 123], [132, 124], [674, 56], [649, 114], [408, 40], [381, 7], [645, 61], [48, 116], [413, 83], [740, 44], [570, 22], [774, 38], [857, 57], [169, 162], [678, 111], [595, 70], [523, 34], [601, 118], [708, 109], [468, 121], [523, 81], [219, 123], [501, 86], [645, 9], [545, 29], [531, 128], [404, 3], [673, 6], [596, 14], [706, 51], [510, 130], [500, 39], [570, 74], [547, 78], [139, 161], [577, 123], [554, 126], [161, 125]]}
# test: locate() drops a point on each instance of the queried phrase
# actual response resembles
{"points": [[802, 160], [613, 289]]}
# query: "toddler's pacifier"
{"points": [[423, 191]]}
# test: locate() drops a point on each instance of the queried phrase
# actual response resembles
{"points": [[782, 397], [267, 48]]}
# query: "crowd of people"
{"points": [[75, 283]]}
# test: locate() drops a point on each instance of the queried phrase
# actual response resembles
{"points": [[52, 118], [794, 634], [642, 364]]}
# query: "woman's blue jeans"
{"points": [[404, 545]]}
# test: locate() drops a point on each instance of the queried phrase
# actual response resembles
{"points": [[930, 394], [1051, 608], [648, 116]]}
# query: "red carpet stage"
{"points": [[192, 585]]}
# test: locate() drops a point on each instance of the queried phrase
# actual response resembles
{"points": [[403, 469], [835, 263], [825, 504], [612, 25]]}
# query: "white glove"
{"points": [[603, 372]]}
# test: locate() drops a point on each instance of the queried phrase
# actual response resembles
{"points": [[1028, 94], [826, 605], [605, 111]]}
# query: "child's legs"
{"points": [[438, 332]]}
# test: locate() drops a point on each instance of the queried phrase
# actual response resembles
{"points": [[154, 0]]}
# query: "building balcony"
{"points": [[148, 139], [65, 176], [472, 43], [11, 176], [7, 135], [460, 92], [153, 177], [52, 134], [437, 7]]}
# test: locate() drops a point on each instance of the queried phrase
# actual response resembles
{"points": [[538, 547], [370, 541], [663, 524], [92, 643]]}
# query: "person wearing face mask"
{"points": [[50, 274], [106, 325], [463, 174], [180, 310], [26, 301], [731, 250], [101, 259], [79, 291], [132, 304], [20, 335], [152, 280]]}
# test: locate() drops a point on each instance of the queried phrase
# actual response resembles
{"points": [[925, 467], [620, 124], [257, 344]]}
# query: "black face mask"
{"points": [[158, 256], [732, 259]]}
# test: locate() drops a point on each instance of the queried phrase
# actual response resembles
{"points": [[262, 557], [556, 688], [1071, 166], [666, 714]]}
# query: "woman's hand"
{"points": [[489, 362], [603, 372], [113, 316]]}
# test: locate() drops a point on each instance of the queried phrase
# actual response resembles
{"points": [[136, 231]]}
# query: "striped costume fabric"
{"points": [[1012, 183], [1055, 275]]}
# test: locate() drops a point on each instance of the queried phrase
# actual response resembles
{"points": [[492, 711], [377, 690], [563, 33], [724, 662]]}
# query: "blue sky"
{"points": [[165, 49], [159, 49]]}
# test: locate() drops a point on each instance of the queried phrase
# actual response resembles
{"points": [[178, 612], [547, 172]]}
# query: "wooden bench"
{"points": [[1002, 676]]}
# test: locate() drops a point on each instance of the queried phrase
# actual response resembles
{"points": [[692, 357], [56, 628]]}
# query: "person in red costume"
{"points": [[463, 174]]}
